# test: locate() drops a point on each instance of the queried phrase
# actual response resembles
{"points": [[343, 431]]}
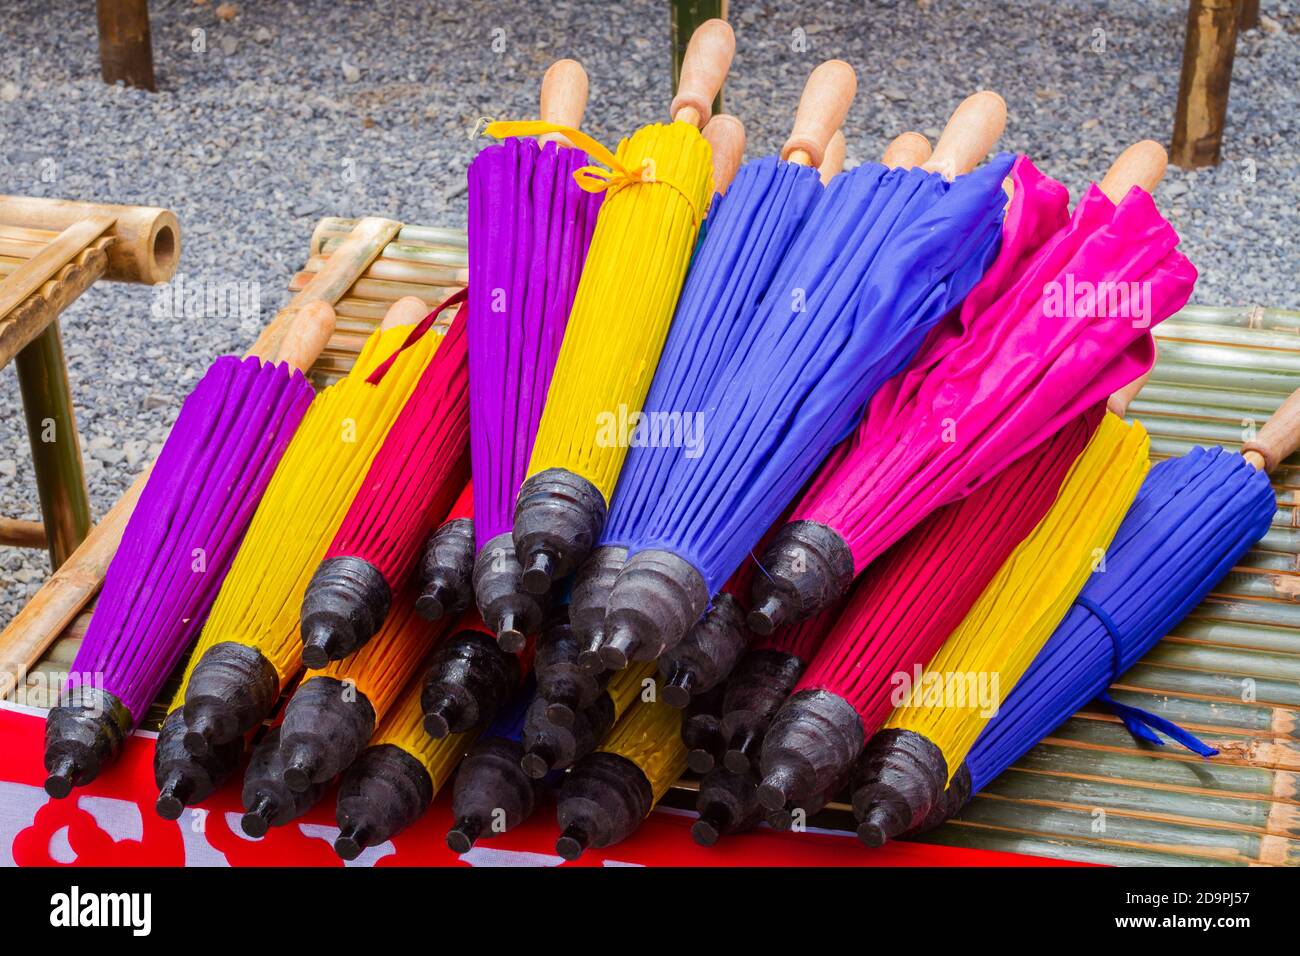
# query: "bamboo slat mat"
{"points": [[1230, 672]]}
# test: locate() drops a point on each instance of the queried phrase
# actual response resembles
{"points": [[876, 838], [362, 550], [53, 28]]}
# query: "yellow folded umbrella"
{"points": [[907, 766]]}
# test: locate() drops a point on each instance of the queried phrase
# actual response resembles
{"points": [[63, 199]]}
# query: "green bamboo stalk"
{"points": [[960, 833], [1253, 636], [411, 252], [1193, 712]]}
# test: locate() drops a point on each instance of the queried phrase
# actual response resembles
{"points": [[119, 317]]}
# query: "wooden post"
{"points": [[125, 48], [1203, 89], [1249, 19], [686, 16], [56, 450]]}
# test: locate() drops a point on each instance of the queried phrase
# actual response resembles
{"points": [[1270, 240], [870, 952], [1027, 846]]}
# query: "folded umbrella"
{"points": [[250, 646], [1194, 518], [657, 191], [396, 777], [470, 678], [492, 793], [992, 383], [611, 790], [906, 767], [529, 228], [182, 536], [879, 260], [415, 476], [910, 599], [748, 233], [334, 710], [445, 572]]}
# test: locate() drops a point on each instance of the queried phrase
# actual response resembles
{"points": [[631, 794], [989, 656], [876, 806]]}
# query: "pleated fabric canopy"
{"points": [[415, 476], [178, 545], [997, 380], [250, 646], [530, 225], [1194, 518], [881, 258], [746, 237], [907, 766], [900, 612]]}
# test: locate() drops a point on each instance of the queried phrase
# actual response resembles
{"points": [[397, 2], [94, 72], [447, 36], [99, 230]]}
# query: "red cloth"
{"points": [[112, 823]]}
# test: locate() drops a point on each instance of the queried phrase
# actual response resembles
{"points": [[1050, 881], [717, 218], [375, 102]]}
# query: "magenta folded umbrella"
{"points": [[1012, 367]]}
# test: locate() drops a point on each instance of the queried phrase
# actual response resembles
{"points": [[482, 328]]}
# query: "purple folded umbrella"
{"points": [[175, 552]]}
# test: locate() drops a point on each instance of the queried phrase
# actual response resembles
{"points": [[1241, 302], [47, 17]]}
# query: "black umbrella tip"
{"points": [[705, 832], [537, 763], [876, 829], [676, 689], [62, 776], [257, 820], [591, 661], [169, 804], [322, 641], [463, 834], [560, 713], [539, 571], [509, 638], [572, 842], [700, 760], [298, 768], [768, 615], [619, 649], [352, 839], [432, 604]]}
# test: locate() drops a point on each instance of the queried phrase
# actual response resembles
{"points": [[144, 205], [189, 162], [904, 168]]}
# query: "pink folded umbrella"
{"points": [[991, 383]]}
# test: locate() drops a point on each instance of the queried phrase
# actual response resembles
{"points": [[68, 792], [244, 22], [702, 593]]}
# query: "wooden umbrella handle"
{"points": [[704, 68], [564, 97], [906, 151], [827, 96], [833, 161], [1142, 164], [1278, 439], [726, 136], [973, 128], [1120, 401], [408, 310], [306, 336]]}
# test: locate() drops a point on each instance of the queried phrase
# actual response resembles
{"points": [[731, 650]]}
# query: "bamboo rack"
{"points": [[1230, 672]]}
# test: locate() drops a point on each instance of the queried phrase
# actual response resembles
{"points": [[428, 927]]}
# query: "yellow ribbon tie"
{"points": [[592, 179]]}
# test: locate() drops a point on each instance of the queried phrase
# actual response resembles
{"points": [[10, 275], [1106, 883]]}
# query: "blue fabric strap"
{"points": [[1142, 724]]}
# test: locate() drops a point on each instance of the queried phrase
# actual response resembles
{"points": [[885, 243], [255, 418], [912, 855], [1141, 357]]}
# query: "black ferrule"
{"points": [[707, 654], [469, 679], [604, 799], [512, 613], [807, 568], [268, 800], [326, 724], [383, 793], [810, 743], [759, 685], [82, 735], [492, 793], [183, 779], [445, 571], [231, 690], [558, 518], [657, 598], [896, 785], [552, 746]]}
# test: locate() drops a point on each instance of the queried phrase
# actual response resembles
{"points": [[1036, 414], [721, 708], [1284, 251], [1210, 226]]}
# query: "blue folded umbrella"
{"points": [[1194, 518], [881, 257]]}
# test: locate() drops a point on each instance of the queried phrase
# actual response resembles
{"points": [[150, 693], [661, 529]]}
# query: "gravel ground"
{"points": [[294, 110]]}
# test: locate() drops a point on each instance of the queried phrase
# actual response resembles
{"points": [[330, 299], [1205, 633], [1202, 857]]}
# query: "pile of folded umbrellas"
{"points": [[815, 481]]}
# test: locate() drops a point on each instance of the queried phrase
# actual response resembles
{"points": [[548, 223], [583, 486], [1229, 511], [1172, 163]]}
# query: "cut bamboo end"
{"points": [[407, 310], [972, 130], [146, 240], [1143, 164], [906, 151], [563, 98], [726, 137], [704, 69], [825, 103]]}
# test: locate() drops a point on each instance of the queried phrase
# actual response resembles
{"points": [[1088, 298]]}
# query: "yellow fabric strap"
{"points": [[593, 179]]}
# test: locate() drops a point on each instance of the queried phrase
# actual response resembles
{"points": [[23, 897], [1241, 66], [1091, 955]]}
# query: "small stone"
{"points": [[9, 92], [1146, 81], [109, 456], [9, 468], [229, 45], [1090, 123], [896, 95], [1269, 25], [350, 72], [1173, 189], [227, 11], [262, 35], [152, 402]]}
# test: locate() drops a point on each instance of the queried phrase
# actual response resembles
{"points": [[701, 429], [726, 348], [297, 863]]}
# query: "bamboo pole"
{"points": [[146, 240], [22, 534]]}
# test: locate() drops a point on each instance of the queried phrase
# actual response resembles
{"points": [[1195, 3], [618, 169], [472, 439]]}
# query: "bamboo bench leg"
{"points": [[686, 16], [56, 450], [1203, 87]]}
